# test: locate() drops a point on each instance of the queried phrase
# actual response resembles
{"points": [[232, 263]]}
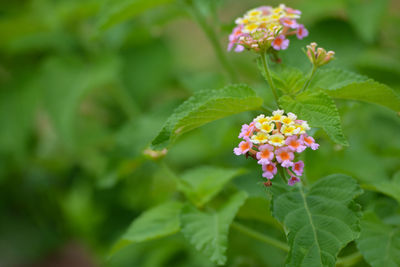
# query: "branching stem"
{"points": [[307, 83]]}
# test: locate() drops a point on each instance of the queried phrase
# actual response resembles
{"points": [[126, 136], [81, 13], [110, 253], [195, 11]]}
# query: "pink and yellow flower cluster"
{"points": [[274, 140], [265, 27]]}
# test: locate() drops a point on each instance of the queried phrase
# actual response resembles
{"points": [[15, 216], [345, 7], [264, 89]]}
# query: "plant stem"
{"points": [[213, 38], [349, 260], [269, 79], [307, 83], [259, 236]]}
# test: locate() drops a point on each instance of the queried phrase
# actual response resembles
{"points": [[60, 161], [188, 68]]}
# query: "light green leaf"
{"points": [[206, 106], [319, 110], [288, 80], [208, 231], [379, 243], [117, 11], [320, 221], [343, 84], [388, 187], [160, 221], [200, 185]]}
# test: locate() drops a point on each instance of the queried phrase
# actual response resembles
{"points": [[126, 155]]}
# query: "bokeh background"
{"points": [[79, 103]]}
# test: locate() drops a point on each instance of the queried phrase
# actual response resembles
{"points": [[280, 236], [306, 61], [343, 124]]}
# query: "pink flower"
{"points": [[247, 130], [301, 32], [298, 168], [284, 156], [234, 38], [269, 170], [291, 23], [265, 155], [266, 10], [243, 148], [296, 144], [239, 48], [280, 43], [293, 11], [309, 141], [293, 180]]}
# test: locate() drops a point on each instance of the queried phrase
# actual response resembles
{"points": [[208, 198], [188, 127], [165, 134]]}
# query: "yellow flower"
{"points": [[277, 140], [260, 138], [267, 127], [250, 27], [289, 130]]}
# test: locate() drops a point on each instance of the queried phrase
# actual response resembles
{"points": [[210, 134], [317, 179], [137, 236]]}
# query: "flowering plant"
{"points": [[265, 27], [273, 140], [319, 216]]}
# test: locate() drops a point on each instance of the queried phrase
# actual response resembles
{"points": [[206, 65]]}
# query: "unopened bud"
{"points": [[155, 154], [318, 57]]}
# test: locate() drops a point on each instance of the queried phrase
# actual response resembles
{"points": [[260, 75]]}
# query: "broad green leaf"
{"points": [[288, 80], [379, 243], [388, 187], [206, 106], [366, 16], [319, 110], [160, 221], [200, 185], [117, 11], [320, 221], [208, 231], [343, 84]]}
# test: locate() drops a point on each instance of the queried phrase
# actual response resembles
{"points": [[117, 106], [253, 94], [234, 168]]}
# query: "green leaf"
{"points": [[319, 110], [208, 231], [320, 221], [388, 187], [343, 84], [206, 106], [288, 80], [200, 185], [117, 11], [379, 243], [160, 221]]}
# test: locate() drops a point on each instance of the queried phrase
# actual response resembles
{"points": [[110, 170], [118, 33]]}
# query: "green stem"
{"points": [[213, 38], [269, 79], [307, 83], [259, 236], [349, 260]]}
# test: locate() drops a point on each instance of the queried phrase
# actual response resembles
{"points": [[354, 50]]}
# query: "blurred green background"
{"points": [[81, 99]]}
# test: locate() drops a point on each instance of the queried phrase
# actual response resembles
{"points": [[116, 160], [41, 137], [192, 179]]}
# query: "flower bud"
{"points": [[318, 57]]}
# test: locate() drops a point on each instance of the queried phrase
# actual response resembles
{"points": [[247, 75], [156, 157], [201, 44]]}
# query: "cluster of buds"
{"points": [[273, 140], [265, 27], [319, 56]]}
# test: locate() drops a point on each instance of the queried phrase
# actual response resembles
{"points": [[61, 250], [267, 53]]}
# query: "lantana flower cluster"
{"points": [[265, 27], [275, 140]]}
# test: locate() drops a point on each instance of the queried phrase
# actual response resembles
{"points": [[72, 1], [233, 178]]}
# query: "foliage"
{"points": [[92, 92]]}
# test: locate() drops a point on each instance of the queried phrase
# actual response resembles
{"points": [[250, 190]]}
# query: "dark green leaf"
{"points": [[208, 231], [200, 185], [157, 222], [204, 107], [343, 84], [379, 243], [320, 221], [319, 110]]}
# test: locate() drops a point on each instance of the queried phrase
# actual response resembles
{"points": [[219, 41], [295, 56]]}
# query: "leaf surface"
{"points": [[206, 106], [379, 243], [320, 221], [319, 110], [208, 231], [200, 185], [343, 84]]}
